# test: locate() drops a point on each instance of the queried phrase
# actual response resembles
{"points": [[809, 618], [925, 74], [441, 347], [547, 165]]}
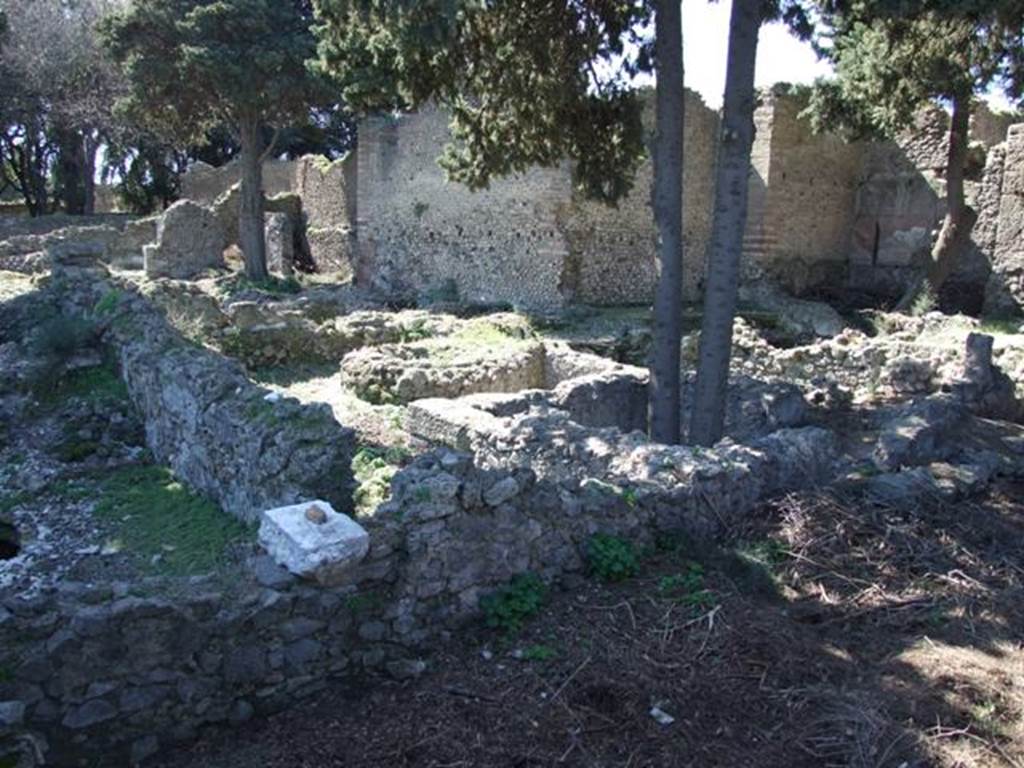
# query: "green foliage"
{"points": [[540, 652], [98, 384], [925, 302], [275, 286], [167, 526], [373, 470], [890, 63], [511, 606], [107, 303], [417, 330], [60, 338], [193, 64], [526, 83], [687, 588], [447, 292], [611, 558]]}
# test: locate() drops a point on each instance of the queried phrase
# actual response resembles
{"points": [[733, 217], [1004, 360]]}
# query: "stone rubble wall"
{"points": [[1005, 290], [207, 421], [124, 670], [326, 191]]}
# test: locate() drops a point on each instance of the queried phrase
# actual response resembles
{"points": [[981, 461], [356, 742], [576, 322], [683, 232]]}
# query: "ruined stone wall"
{"points": [[123, 670], [802, 192], [613, 249], [1005, 290], [206, 420], [204, 183], [419, 234]]}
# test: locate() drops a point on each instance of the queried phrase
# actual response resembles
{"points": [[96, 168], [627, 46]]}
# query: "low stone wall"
{"points": [[122, 670], [247, 449]]}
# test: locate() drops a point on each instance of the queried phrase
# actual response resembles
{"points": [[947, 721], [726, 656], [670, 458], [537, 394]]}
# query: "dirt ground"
{"points": [[834, 634]]}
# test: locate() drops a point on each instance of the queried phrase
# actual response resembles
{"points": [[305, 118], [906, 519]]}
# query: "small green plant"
{"points": [[687, 588], [539, 653], [629, 496], [76, 450], [373, 470], [925, 302], [419, 208], [511, 606], [769, 552], [611, 558], [363, 603], [60, 338], [417, 330], [107, 304], [447, 292]]}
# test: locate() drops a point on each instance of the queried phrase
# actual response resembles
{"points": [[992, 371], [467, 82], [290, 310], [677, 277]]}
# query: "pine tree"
{"points": [[194, 64]]}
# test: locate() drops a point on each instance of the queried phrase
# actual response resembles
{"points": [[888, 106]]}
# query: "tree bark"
{"points": [[250, 211], [707, 420], [71, 162], [667, 202], [90, 146], [960, 217]]}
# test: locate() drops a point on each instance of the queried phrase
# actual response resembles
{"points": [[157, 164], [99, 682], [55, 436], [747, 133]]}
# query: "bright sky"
{"points": [[780, 56]]}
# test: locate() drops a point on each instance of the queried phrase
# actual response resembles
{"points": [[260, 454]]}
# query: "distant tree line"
{"points": [[61, 131]]}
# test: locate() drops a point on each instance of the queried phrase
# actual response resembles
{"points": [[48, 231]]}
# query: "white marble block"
{"points": [[312, 540]]}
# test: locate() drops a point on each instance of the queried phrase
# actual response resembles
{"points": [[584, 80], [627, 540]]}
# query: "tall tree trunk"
{"points": [[90, 147], [250, 210], [70, 166], [732, 176], [960, 217], [667, 201]]}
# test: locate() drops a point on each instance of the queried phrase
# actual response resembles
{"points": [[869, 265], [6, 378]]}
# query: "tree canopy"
{"points": [[194, 64], [526, 83]]}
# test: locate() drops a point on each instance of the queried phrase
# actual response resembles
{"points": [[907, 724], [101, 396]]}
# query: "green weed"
{"points": [[540, 653], [687, 588], [511, 606], [107, 305], [611, 558], [373, 469]]}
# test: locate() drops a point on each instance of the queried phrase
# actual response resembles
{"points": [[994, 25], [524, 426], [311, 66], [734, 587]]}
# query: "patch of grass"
{"points": [[12, 500], [752, 566], [768, 552], [687, 588], [164, 523], [1002, 325], [60, 338], [611, 558], [275, 286], [510, 607], [446, 292], [540, 652], [76, 450], [364, 603]]}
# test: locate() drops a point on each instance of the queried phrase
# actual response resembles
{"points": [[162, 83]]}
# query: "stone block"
{"points": [[313, 541], [280, 235], [190, 239]]}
